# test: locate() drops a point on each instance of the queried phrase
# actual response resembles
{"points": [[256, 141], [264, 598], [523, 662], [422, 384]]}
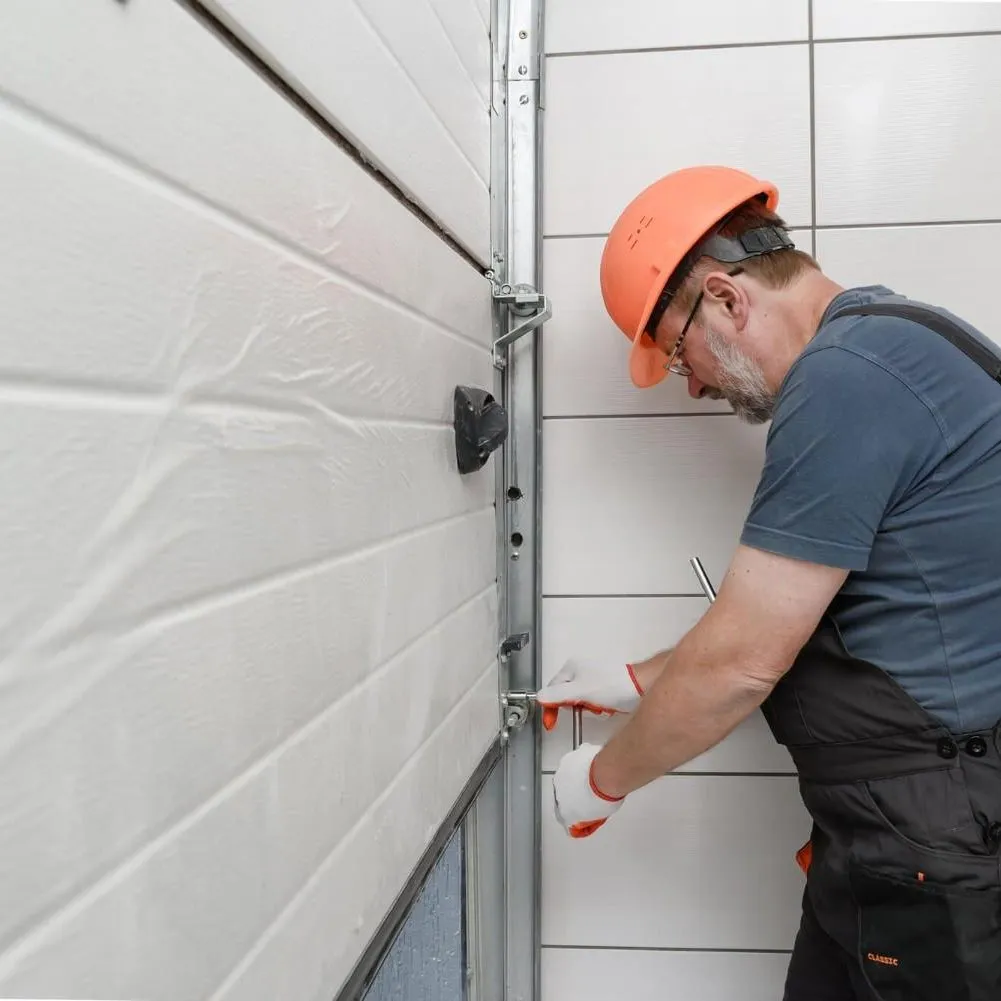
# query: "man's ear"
{"points": [[726, 295]]}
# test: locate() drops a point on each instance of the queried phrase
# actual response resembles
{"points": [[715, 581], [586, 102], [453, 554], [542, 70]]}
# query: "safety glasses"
{"points": [[674, 365]]}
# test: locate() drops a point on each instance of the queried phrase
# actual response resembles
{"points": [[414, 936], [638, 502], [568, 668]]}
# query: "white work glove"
{"points": [[586, 684], [580, 806]]}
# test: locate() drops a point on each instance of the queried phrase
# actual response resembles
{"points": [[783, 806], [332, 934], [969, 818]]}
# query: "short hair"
{"points": [[775, 270]]}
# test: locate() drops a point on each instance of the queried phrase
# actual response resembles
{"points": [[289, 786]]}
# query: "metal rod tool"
{"points": [[704, 582]]}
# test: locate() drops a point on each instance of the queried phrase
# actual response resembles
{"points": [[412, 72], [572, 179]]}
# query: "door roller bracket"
{"points": [[517, 708], [522, 301]]}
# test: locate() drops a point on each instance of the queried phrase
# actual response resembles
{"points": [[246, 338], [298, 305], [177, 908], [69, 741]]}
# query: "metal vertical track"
{"points": [[517, 99]]}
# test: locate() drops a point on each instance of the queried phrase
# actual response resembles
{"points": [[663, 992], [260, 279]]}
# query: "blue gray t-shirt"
{"points": [[884, 458]]}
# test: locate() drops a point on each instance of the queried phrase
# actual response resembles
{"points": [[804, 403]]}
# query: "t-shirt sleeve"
{"points": [[847, 441]]}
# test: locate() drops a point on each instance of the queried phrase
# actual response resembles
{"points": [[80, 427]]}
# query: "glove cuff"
{"points": [[597, 791], [632, 677]]}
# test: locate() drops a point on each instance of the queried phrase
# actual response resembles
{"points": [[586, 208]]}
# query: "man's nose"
{"points": [[696, 388]]}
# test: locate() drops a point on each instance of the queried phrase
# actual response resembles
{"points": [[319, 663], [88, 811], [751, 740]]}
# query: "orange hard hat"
{"points": [[653, 235]]}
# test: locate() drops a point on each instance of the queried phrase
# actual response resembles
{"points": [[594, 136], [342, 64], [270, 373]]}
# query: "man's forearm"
{"points": [[691, 706], [647, 672]]}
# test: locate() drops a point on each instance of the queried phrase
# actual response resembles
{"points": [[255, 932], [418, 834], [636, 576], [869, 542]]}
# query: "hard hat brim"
{"points": [[647, 363]]}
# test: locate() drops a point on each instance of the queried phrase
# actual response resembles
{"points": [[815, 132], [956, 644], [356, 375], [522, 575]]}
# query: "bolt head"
{"points": [[523, 33], [522, 70], [523, 99]]}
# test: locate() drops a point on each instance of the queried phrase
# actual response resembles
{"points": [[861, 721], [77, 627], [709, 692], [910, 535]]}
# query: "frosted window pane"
{"points": [[427, 961]]}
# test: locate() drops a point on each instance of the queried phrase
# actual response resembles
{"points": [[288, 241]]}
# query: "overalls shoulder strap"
{"points": [[983, 356]]}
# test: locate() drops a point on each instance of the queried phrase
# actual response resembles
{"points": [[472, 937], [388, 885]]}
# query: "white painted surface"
{"points": [[464, 26], [627, 502], [389, 75], [697, 862], [597, 975], [245, 151], [592, 26], [951, 266], [615, 123], [902, 135], [585, 357], [626, 630], [704, 861], [867, 18], [249, 608]]}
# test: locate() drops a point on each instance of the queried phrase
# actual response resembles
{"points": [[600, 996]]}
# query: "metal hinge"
{"points": [[517, 707], [521, 300]]}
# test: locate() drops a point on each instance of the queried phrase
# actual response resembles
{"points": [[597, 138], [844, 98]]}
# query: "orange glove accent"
{"points": [[804, 857], [591, 686], [581, 807]]}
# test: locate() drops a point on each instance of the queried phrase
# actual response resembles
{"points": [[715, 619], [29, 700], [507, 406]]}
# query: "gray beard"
{"points": [[741, 381]]}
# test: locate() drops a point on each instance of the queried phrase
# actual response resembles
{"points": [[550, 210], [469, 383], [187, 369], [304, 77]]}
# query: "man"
{"points": [[862, 608]]}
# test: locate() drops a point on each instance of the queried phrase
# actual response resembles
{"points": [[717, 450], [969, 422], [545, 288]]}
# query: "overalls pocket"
{"points": [[924, 941]]}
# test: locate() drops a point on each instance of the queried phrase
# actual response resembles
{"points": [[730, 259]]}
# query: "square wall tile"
{"points": [[638, 975], [616, 123], [868, 18], [689, 862], [617, 631], [585, 357], [950, 266], [903, 131], [597, 26], [627, 502]]}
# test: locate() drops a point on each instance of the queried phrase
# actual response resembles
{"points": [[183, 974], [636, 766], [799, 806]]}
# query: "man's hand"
{"points": [[584, 684], [581, 807]]}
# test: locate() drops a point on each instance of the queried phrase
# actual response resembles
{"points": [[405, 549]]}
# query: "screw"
{"points": [[523, 34], [523, 99], [522, 70]]}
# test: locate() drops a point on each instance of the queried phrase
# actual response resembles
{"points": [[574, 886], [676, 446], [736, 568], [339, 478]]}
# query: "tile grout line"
{"points": [[669, 948], [822, 227], [778, 43], [636, 416], [813, 130], [652, 594], [711, 775]]}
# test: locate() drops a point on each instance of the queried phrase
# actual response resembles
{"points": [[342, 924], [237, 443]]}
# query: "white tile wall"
{"points": [[589, 975], [953, 266], [615, 123], [248, 619], [624, 630], [902, 133], [690, 861], [626, 502], [868, 18], [634, 483], [584, 356], [591, 26], [423, 117]]}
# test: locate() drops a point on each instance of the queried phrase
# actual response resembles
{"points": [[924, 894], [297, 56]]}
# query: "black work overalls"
{"points": [[903, 861]]}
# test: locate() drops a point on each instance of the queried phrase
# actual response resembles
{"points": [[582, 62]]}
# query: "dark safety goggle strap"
{"points": [[727, 250]]}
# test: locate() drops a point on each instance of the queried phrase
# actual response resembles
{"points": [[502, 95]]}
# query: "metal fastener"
{"points": [[523, 99], [522, 70], [523, 33]]}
